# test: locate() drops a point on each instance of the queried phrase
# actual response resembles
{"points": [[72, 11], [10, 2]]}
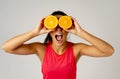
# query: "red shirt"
{"points": [[56, 66]]}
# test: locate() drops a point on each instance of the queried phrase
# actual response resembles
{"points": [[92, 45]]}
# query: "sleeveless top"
{"points": [[56, 66]]}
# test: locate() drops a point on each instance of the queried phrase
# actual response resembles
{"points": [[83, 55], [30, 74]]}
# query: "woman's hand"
{"points": [[40, 29], [76, 28]]}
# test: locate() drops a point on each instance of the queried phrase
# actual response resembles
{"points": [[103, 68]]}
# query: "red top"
{"points": [[56, 66]]}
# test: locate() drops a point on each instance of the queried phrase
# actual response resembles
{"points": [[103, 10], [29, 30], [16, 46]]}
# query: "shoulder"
{"points": [[40, 48], [38, 45], [77, 48]]}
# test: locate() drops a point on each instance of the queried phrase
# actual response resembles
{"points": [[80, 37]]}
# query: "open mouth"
{"points": [[58, 37]]}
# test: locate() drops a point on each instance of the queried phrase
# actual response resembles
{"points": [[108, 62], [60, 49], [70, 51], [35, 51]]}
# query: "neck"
{"points": [[59, 49]]}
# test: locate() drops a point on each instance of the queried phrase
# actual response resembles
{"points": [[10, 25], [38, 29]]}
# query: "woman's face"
{"points": [[58, 35]]}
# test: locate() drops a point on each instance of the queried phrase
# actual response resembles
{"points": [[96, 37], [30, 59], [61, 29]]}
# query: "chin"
{"points": [[60, 43]]}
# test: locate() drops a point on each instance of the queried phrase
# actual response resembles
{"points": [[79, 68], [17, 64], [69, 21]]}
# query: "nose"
{"points": [[58, 28]]}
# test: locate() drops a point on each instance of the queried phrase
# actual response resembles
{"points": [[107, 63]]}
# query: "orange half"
{"points": [[50, 22], [65, 22]]}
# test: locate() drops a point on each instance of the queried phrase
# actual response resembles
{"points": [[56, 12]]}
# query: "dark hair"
{"points": [[48, 37], [58, 13]]}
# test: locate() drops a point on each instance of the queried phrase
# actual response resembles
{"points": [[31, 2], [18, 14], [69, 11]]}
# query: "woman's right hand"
{"points": [[40, 28]]}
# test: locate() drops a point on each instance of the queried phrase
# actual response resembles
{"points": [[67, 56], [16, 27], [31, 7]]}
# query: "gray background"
{"points": [[99, 17]]}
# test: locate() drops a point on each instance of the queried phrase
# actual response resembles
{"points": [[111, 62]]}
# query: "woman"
{"points": [[58, 56]]}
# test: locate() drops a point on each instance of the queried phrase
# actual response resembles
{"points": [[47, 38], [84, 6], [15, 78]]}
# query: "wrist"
{"points": [[80, 33]]}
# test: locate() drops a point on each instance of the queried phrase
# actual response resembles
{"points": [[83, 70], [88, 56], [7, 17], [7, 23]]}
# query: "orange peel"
{"points": [[65, 22], [50, 22]]}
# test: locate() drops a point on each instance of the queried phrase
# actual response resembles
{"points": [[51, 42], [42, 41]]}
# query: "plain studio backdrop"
{"points": [[99, 17]]}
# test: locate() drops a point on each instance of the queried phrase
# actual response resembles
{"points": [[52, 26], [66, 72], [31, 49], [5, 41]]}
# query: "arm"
{"points": [[16, 45], [98, 46]]}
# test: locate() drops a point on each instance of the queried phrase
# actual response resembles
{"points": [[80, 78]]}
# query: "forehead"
{"points": [[58, 16]]}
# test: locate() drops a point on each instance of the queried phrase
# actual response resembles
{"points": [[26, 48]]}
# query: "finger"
{"points": [[66, 30], [47, 30], [76, 24], [69, 30], [42, 22]]}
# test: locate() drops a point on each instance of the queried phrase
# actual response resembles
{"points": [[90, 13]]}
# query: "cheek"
{"points": [[65, 35]]}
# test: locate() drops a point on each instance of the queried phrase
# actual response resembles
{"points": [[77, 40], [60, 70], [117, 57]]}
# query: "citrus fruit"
{"points": [[65, 22], [50, 22]]}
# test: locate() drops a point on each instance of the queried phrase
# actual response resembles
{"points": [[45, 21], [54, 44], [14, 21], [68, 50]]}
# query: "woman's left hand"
{"points": [[76, 28]]}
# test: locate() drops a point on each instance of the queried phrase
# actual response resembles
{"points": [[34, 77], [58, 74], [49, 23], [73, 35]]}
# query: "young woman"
{"points": [[58, 56]]}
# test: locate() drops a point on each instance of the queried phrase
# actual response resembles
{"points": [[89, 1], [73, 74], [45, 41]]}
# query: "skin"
{"points": [[98, 47]]}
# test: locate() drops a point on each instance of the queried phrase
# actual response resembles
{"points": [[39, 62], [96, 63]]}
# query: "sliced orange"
{"points": [[65, 22], [50, 22]]}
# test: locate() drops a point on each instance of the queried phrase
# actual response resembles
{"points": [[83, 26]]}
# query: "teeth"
{"points": [[58, 34]]}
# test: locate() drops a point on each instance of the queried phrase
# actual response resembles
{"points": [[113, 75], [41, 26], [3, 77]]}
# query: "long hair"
{"points": [[48, 37]]}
